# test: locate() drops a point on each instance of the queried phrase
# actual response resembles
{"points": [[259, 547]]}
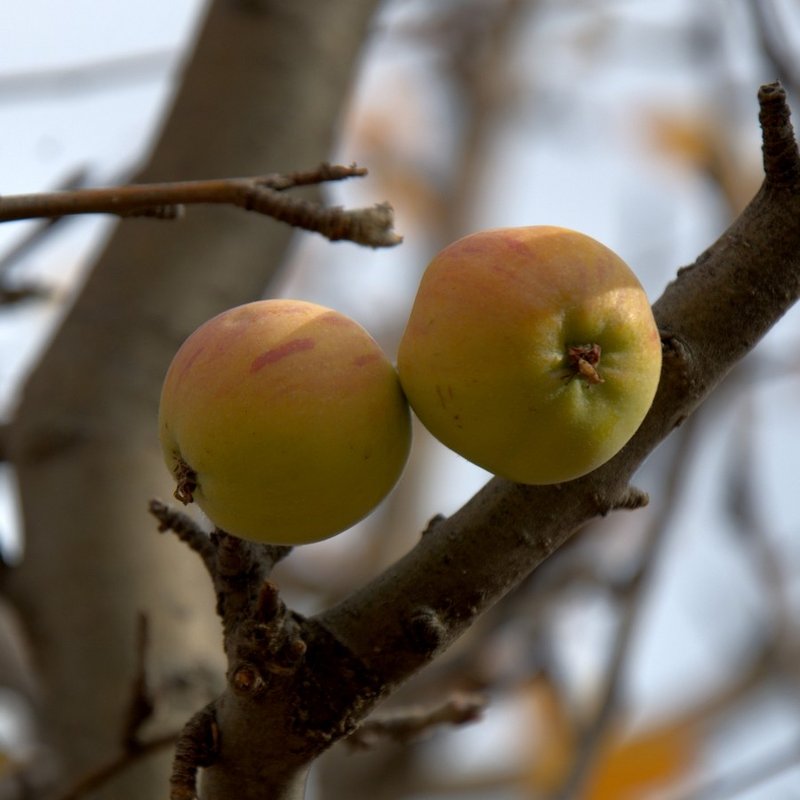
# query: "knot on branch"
{"points": [[677, 363], [629, 499], [268, 643], [433, 523], [246, 680], [426, 630]]}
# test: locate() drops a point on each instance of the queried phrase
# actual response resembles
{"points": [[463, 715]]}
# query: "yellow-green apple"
{"points": [[284, 421], [530, 351]]}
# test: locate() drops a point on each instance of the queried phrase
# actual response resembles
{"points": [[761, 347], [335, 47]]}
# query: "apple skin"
{"points": [[485, 359], [284, 421]]}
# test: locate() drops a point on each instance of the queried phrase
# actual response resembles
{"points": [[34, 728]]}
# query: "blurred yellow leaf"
{"points": [[631, 768], [626, 767], [691, 139], [6, 765], [708, 146], [554, 750]]}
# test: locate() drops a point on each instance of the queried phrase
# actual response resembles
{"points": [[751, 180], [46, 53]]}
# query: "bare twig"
{"points": [[94, 76], [187, 531], [140, 709], [5, 435], [197, 747], [264, 195], [141, 705], [73, 181], [410, 723], [126, 759], [29, 291]]}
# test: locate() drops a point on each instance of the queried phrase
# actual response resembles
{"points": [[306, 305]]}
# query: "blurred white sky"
{"points": [[542, 168]]}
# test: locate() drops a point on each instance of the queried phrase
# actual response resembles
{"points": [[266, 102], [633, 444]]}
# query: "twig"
{"points": [[141, 705], [104, 773], [5, 438], [140, 709], [73, 181], [126, 759], [264, 195], [197, 747], [84, 78], [30, 291], [187, 531], [410, 723]]}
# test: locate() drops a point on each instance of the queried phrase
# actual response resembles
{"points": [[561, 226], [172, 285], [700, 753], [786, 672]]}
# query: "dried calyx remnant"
{"points": [[187, 482], [582, 361]]}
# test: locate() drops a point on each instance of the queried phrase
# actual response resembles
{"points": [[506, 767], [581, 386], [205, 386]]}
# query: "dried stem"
{"points": [[101, 775], [367, 226], [141, 706], [410, 723], [197, 747], [187, 531]]}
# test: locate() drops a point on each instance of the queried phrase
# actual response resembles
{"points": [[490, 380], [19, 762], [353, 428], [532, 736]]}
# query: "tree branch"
{"points": [[710, 317], [296, 685], [264, 195]]}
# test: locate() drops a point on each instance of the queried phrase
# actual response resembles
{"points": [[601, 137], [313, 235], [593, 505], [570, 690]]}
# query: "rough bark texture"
{"points": [[262, 93], [296, 685]]}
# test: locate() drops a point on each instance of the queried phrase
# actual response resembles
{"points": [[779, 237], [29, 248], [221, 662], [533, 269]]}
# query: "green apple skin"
{"points": [[290, 420], [485, 359]]}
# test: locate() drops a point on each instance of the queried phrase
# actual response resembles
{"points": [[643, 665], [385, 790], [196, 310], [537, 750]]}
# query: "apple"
{"points": [[284, 420], [530, 351]]}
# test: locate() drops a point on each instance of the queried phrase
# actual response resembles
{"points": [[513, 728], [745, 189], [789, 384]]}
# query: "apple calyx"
{"points": [[187, 482], [583, 360]]}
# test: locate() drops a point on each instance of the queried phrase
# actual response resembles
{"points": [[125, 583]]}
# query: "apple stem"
{"points": [[583, 361], [187, 482]]}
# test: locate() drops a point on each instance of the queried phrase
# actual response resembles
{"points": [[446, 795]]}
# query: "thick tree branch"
{"points": [[710, 316], [264, 195]]}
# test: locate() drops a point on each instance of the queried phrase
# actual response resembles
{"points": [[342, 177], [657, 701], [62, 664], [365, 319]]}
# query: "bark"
{"points": [[296, 685], [261, 93], [710, 317]]}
